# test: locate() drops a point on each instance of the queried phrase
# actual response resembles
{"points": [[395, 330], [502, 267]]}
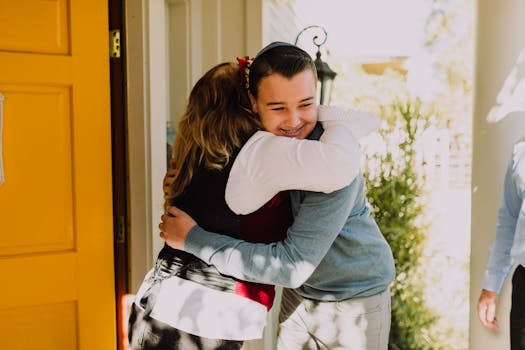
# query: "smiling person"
{"points": [[185, 303], [334, 263]]}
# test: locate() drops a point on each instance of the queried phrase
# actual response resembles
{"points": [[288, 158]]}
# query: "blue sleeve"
{"points": [[500, 261], [287, 263]]}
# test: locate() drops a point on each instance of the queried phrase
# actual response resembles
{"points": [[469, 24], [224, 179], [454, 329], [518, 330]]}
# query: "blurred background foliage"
{"points": [[418, 98]]}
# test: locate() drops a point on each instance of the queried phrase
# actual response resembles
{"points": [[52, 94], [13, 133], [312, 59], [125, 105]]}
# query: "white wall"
{"points": [[203, 33], [500, 41]]}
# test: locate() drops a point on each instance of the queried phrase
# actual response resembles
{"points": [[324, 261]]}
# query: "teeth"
{"points": [[291, 132]]}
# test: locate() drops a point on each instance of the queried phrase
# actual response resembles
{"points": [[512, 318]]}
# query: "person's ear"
{"points": [[253, 102]]}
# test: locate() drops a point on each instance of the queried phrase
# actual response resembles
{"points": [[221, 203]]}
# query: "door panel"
{"points": [[54, 326], [49, 17], [33, 143], [56, 231]]}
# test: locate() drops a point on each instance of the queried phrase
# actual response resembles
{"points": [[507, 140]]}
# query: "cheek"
{"points": [[309, 119], [310, 116], [269, 121]]}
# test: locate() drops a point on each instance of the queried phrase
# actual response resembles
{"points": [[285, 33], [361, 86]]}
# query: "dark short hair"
{"points": [[279, 58]]}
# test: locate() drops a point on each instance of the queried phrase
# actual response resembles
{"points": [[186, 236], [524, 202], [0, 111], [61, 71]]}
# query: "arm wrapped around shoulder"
{"points": [[360, 123], [268, 164]]}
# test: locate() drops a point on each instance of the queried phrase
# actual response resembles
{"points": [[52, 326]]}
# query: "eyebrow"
{"points": [[269, 104]]}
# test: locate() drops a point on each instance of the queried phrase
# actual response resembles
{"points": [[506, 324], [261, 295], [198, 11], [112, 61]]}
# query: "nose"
{"points": [[293, 118]]}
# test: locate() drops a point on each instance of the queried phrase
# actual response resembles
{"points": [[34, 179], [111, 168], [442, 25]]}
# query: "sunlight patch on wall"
{"points": [[511, 97]]}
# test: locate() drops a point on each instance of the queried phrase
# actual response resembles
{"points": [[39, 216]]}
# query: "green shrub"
{"points": [[396, 192]]}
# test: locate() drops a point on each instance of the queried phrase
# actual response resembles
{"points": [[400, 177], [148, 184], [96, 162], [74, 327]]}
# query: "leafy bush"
{"points": [[396, 192]]}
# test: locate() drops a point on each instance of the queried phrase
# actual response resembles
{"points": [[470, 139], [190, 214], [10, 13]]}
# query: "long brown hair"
{"points": [[217, 121]]}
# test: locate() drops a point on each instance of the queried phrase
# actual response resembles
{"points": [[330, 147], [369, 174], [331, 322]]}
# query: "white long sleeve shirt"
{"points": [[268, 164]]}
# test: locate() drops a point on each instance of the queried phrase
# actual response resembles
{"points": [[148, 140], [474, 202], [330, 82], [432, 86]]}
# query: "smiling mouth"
{"points": [[292, 132]]}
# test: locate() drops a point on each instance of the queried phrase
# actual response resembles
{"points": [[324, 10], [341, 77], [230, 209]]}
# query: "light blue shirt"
{"points": [[508, 247]]}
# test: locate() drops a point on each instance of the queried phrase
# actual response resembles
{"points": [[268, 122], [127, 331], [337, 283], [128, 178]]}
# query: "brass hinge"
{"points": [[114, 43], [119, 228]]}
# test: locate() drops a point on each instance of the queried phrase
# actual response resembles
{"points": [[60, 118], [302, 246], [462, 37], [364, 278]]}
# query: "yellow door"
{"points": [[56, 244]]}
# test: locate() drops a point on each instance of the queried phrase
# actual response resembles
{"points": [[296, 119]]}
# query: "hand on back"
{"points": [[175, 227]]}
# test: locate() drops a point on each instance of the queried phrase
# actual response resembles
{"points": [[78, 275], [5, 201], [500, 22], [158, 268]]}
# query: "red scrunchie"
{"points": [[244, 68]]}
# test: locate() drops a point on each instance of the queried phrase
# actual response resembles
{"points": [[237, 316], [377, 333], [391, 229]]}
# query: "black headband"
{"points": [[246, 62], [272, 46]]}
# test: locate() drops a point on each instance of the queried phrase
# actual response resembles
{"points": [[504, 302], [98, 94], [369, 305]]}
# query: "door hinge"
{"points": [[114, 43], [120, 229]]}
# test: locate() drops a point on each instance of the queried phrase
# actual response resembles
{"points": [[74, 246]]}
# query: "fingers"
{"points": [[162, 225], [174, 211], [494, 325], [491, 313], [487, 311], [491, 322], [482, 315]]}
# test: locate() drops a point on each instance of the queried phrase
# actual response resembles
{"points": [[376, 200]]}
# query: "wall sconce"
{"points": [[325, 75]]}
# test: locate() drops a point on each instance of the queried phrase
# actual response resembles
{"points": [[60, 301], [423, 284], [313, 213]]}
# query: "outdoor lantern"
{"points": [[325, 75]]}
